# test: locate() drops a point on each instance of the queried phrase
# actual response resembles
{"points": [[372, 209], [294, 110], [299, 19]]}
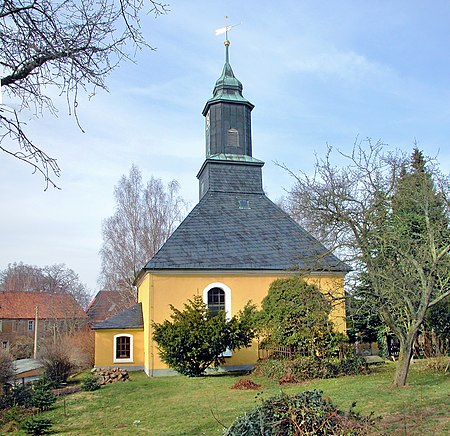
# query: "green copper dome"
{"points": [[228, 87], [228, 117]]}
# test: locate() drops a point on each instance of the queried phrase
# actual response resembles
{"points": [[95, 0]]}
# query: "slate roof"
{"points": [[106, 304], [235, 226], [242, 231], [22, 305], [127, 319]]}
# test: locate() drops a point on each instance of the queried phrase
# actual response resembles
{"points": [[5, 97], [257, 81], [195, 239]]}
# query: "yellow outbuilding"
{"points": [[229, 249]]}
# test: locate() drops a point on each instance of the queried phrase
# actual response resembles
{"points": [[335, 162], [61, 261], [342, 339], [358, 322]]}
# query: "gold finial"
{"points": [[227, 43]]}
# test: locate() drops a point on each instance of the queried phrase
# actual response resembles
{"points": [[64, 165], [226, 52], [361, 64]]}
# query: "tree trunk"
{"points": [[404, 359]]}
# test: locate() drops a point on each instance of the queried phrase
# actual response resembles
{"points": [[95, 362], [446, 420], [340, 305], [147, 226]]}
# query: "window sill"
{"points": [[123, 361]]}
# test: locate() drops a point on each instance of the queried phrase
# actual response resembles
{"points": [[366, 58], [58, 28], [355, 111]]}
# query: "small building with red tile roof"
{"points": [[107, 304], [55, 314]]}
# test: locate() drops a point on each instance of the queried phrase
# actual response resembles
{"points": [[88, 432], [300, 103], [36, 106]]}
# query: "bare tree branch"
{"points": [[145, 217], [68, 45], [392, 224]]}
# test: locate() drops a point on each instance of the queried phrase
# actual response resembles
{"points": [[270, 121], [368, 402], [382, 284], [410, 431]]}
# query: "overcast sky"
{"points": [[318, 73]]}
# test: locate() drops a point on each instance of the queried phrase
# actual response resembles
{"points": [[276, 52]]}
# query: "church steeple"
{"points": [[229, 166], [228, 116]]}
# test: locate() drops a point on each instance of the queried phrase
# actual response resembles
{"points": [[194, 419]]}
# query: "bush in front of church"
{"points": [[195, 339], [295, 315]]}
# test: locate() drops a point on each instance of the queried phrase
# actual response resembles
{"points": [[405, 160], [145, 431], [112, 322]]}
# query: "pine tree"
{"points": [[410, 257]]}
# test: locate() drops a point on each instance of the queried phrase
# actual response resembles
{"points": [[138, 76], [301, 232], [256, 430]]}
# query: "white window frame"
{"points": [[123, 360], [227, 290], [30, 324]]}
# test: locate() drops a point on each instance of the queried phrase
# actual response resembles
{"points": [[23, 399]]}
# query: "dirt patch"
{"points": [[244, 384], [288, 379], [412, 424], [59, 392]]}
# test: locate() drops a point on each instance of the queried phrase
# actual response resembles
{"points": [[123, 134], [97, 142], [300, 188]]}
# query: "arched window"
{"points": [[217, 296], [216, 300], [123, 348], [233, 138], [219, 299]]}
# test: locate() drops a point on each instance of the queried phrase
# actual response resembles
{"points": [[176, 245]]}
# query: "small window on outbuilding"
{"points": [[123, 348], [233, 138], [5, 345], [30, 325]]}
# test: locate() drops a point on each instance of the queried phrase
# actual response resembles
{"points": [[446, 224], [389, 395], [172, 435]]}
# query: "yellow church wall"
{"points": [[104, 348], [144, 295], [158, 291]]}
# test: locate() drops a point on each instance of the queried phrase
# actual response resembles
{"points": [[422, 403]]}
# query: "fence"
{"points": [[291, 352], [275, 352]]}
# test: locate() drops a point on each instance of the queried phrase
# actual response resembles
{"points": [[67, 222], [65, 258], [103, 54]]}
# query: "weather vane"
{"points": [[225, 30]]}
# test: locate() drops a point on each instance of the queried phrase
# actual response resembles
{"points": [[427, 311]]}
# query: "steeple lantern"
{"points": [[228, 116]]}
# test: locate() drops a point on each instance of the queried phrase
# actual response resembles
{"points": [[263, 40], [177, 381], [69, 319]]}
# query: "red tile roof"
{"points": [[106, 304], [17, 305]]}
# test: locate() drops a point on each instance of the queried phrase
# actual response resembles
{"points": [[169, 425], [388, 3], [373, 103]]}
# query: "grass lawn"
{"points": [[203, 406]]}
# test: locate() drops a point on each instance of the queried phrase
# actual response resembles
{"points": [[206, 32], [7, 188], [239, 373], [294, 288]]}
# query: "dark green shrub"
{"points": [[307, 368], [11, 417], [90, 383], [36, 425], [353, 366], [42, 398], [196, 339], [296, 314], [272, 368], [306, 413], [18, 395]]}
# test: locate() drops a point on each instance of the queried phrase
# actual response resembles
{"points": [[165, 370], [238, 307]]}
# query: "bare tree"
{"points": [[21, 277], [67, 45], [55, 279], [145, 217], [391, 224]]}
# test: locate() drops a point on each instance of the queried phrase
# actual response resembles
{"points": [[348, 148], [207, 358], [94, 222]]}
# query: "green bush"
{"points": [[90, 383], [11, 417], [196, 339], [42, 398], [307, 367], [18, 395], [306, 413], [37, 425], [296, 315]]}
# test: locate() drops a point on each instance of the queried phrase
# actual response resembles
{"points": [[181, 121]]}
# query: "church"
{"points": [[229, 249]]}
